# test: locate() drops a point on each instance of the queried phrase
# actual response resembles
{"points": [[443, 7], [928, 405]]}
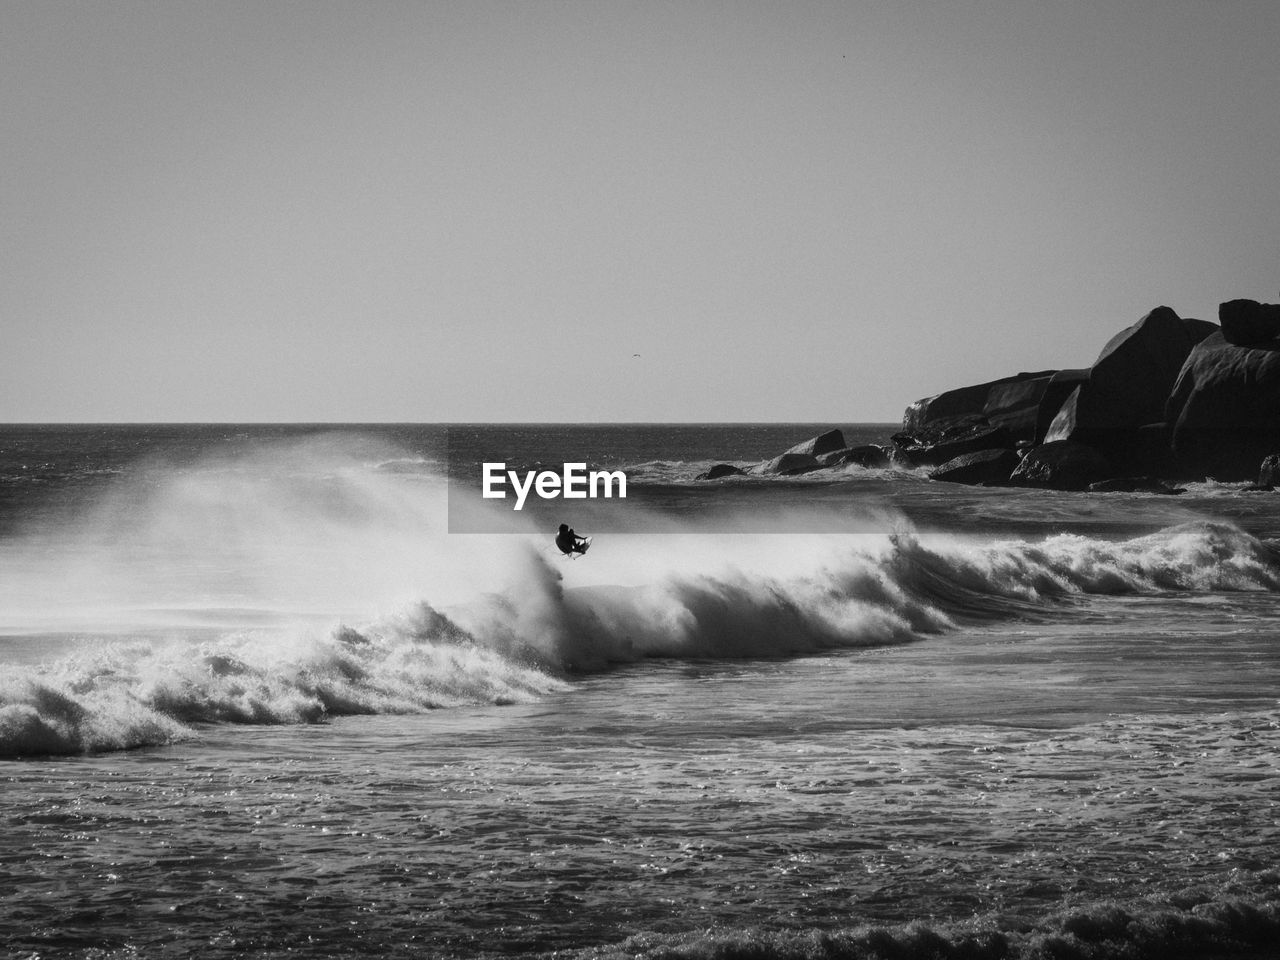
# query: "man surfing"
{"points": [[570, 544]]}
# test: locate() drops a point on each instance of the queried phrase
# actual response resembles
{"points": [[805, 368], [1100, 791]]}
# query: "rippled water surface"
{"points": [[991, 775]]}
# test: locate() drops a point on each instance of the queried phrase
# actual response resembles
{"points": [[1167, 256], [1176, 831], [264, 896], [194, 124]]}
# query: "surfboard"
{"points": [[586, 542]]}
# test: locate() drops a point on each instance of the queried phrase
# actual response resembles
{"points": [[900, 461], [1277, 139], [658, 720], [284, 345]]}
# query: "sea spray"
{"points": [[303, 528]]}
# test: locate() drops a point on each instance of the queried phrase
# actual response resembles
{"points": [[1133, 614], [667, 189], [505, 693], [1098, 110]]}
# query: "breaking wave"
{"points": [[1195, 926], [539, 627]]}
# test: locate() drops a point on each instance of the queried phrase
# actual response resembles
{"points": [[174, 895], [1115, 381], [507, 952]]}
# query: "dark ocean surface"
{"points": [[257, 700]]}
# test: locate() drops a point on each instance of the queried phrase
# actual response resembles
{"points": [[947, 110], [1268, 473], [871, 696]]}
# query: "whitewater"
{"points": [[257, 701]]}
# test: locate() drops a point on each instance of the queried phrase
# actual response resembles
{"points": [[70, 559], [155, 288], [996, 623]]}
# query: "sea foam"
{"points": [[1193, 926]]}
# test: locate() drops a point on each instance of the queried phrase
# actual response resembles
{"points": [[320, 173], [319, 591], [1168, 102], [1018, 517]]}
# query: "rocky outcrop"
{"points": [[1248, 322], [1062, 465], [1125, 388], [943, 440], [825, 450], [1167, 397], [1225, 408], [983, 466], [828, 442]]}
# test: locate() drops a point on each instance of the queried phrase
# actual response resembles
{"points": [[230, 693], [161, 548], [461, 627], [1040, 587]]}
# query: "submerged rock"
{"points": [[719, 471], [1135, 485], [982, 466]]}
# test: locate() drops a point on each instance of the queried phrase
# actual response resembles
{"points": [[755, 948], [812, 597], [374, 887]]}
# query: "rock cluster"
{"points": [[1167, 399], [825, 450]]}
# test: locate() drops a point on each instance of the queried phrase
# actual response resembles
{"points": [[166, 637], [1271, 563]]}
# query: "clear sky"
{"points": [[429, 211]]}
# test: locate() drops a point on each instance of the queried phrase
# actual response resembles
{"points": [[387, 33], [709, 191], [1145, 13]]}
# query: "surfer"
{"points": [[569, 542]]}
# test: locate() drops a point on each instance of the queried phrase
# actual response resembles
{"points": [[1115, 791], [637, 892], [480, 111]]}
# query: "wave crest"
{"points": [[118, 696], [1206, 929], [521, 642]]}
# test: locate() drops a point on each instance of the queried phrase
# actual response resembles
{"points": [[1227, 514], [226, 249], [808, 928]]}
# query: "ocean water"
{"points": [[257, 701]]}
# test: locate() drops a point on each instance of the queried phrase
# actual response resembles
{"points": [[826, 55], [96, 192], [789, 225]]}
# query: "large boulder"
{"points": [[1130, 450], [1023, 404], [788, 464], [1016, 405], [1129, 383], [1225, 408], [980, 400], [943, 440], [1061, 385], [1062, 465], [868, 455], [1118, 408], [983, 466], [1248, 322], [827, 442]]}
